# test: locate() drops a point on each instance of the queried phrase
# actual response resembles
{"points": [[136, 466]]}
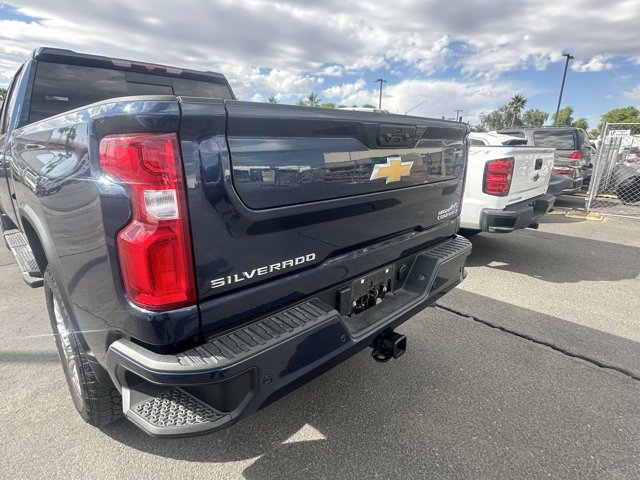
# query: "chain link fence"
{"points": [[614, 188]]}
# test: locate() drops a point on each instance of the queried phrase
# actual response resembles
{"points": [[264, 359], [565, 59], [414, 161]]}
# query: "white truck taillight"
{"points": [[562, 170], [497, 177], [154, 249]]}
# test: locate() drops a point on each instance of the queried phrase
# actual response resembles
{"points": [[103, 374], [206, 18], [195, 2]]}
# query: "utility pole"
{"points": [[381, 81], [458, 112], [564, 76]]}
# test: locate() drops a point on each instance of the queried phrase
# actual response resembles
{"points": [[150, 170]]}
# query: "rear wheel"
{"points": [[98, 405]]}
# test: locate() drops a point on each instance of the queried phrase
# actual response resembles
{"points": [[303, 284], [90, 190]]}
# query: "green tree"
{"points": [[3, 93], [581, 123], [516, 105], [302, 103], [477, 128], [369, 105], [534, 118], [342, 105], [565, 117], [496, 119], [273, 99], [327, 105], [621, 115]]}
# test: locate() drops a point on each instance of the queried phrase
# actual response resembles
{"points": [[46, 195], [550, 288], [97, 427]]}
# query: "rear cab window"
{"points": [[60, 87], [561, 139]]}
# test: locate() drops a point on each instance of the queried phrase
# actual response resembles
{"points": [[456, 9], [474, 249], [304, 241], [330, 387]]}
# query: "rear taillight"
{"points": [[563, 170], [155, 247], [575, 155], [497, 177]]}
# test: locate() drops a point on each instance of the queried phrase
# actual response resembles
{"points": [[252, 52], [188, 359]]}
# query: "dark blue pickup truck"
{"points": [[203, 256]]}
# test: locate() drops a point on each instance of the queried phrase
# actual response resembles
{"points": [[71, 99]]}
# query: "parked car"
{"points": [[202, 256], [506, 185], [573, 154], [629, 156]]}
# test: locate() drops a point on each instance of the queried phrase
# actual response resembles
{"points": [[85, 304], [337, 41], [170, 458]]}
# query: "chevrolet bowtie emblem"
{"points": [[393, 170]]}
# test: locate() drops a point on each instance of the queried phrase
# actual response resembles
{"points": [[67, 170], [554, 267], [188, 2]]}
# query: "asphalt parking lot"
{"points": [[530, 369]]}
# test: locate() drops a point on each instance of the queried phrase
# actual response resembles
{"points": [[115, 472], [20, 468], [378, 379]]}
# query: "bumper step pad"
{"points": [[17, 243], [171, 408], [172, 411]]}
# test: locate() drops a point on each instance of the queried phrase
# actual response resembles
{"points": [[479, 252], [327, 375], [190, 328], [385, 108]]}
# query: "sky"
{"points": [[436, 57]]}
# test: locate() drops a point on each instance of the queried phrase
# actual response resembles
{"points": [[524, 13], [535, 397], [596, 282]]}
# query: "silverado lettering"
{"points": [[235, 278]]}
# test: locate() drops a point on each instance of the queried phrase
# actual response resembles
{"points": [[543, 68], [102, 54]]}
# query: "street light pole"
{"points": [[458, 112], [381, 81], [564, 76]]}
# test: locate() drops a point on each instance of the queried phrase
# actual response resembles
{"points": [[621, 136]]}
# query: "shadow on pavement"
{"points": [[570, 201], [555, 258], [560, 219], [466, 401]]}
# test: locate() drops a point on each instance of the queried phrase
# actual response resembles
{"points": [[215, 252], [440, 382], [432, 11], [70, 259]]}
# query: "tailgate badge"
{"points": [[393, 170]]}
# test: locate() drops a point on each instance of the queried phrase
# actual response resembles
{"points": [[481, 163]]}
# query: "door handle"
{"points": [[538, 163], [33, 146]]}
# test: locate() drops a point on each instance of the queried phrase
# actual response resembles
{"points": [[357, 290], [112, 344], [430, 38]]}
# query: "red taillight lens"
{"points": [[497, 177], [155, 247], [575, 155], [563, 170]]}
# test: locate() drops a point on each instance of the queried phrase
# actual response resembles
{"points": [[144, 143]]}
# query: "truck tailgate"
{"points": [[286, 201], [531, 171]]}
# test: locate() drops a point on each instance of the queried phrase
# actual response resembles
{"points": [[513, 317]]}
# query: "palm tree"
{"points": [[516, 105], [273, 99], [313, 100]]}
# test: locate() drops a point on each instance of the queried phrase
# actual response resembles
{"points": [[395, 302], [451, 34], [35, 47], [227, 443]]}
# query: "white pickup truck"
{"points": [[506, 184]]}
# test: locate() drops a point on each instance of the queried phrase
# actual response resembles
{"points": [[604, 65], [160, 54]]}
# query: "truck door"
{"points": [[8, 120]]}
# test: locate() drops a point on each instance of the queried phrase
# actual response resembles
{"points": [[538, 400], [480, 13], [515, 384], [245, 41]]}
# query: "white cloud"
{"points": [[345, 90], [596, 64], [633, 94], [293, 47], [434, 98], [333, 71], [285, 84]]}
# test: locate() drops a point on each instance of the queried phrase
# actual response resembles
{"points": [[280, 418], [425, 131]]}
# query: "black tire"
{"points": [[467, 232], [629, 190], [98, 405]]}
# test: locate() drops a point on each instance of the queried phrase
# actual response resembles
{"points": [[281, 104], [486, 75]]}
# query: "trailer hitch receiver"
{"points": [[388, 345]]}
